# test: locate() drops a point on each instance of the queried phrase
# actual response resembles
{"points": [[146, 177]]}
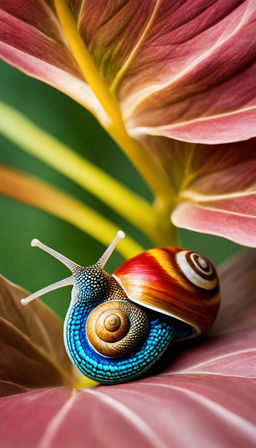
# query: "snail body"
{"points": [[117, 354], [118, 326], [119, 368]]}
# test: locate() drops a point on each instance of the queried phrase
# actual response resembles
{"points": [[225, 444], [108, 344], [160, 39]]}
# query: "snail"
{"points": [[118, 326]]}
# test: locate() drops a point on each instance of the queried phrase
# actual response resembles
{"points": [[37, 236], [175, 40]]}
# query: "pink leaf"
{"points": [[184, 70], [193, 75], [206, 398], [239, 227], [32, 40], [214, 185]]}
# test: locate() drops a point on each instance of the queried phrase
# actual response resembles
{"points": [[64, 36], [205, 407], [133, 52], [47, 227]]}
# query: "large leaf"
{"points": [[183, 69], [161, 68], [204, 398], [31, 341], [31, 39], [191, 71], [214, 186]]}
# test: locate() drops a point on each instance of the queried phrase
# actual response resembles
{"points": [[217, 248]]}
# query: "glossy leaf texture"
{"points": [[32, 40], [214, 186], [31, 344], [205, 397], [184, 70]]}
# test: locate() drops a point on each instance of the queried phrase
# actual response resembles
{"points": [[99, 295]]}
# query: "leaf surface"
{"points": [[205, 397], [31, 39], [184, 70], [214, 186], [32, 350]]}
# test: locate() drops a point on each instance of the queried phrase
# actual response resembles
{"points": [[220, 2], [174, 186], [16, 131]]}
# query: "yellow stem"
{"points": [[40, 144], [144, 161], [165, 231], [152, 172], [86, 63], [39, 194]]}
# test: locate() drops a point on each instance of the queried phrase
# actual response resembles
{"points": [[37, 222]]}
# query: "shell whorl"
{"points": [[197, 269], [173, 281], [115, 328]]}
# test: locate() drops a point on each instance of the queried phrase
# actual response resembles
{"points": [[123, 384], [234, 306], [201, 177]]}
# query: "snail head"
{"points": [[85, 280]]}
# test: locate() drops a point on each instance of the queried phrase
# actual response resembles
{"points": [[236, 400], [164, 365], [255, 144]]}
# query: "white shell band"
{"points": [[193, 276]]}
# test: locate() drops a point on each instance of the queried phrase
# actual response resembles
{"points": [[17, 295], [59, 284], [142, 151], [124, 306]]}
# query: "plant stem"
{"points": [[165, 232], [86, 63], [141, 158], [145, 163], [40, 144], [39, 194]]}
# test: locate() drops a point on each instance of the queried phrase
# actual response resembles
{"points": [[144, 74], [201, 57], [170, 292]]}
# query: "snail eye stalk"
{"points": [[64, 260], [70, 265], [108, 252], [60, 284]]}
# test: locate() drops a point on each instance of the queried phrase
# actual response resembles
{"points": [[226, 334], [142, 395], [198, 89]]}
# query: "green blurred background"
{"points": [[19, 223]]}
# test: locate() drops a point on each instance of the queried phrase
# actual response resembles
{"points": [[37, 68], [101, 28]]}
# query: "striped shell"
{"points": [[174, 281], [115, 328]]}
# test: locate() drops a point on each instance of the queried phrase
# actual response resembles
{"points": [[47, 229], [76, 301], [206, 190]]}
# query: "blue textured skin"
{"points": [[113, 370], [87, 294]]}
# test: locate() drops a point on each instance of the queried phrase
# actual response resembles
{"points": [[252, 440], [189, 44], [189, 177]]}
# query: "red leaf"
{"points": [[184, 69], [31, 344], [193, 76], [214, 185], [31, 39], [207, 405]]}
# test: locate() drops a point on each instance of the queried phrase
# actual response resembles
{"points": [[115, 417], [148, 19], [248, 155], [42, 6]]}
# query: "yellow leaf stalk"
{"points": [[39, 194], [42, 145], [141, 158]]}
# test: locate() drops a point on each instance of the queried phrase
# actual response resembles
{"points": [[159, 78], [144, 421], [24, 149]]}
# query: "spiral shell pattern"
{"points": [[115, 328], [173, 281], [197, 269]]}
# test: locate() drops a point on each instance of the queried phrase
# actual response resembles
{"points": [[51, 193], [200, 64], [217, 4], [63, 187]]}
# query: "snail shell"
{"points": [[173, 281], [115, 328]]}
